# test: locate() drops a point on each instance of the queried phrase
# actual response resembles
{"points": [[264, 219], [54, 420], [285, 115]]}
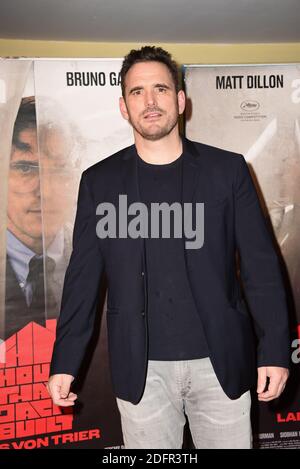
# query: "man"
{"points": [[180, 337], [38, 237]]}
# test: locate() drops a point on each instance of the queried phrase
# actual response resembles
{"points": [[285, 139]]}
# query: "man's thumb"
{"points": [[64, 390], [261, 379]]}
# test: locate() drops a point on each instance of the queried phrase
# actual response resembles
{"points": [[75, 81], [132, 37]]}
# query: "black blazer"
{"points": [[233, 219]]}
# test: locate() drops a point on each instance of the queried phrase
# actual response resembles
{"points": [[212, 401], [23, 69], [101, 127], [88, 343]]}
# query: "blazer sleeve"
{"points": [[260, 272], [80, 290]]}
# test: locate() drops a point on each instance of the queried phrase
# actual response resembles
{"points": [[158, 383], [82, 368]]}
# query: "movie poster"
{"points": [[255, 110], [58, 117]]}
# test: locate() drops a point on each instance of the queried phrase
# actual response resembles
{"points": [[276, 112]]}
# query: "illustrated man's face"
{"points": [[151, 104], [24, 198], [24, 211]]}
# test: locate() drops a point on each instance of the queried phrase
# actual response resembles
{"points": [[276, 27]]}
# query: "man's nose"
{"points": [[36, 187], [150, 98]]}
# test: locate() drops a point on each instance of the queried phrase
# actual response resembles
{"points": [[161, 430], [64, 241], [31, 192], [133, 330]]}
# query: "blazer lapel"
{"points": [[191, 171], [130, 175]]}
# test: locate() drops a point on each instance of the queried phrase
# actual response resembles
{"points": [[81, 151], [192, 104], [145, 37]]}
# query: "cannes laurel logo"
{"points": [[164, 219]]}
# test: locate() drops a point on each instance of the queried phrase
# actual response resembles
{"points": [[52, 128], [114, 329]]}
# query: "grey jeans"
{"points": [[176, 389]]}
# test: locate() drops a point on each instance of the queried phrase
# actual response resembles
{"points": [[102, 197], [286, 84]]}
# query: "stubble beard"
{"points": [[159, 132]]}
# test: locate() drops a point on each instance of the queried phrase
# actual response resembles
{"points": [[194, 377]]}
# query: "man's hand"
{"points": [[59, 389], [278, 377]]}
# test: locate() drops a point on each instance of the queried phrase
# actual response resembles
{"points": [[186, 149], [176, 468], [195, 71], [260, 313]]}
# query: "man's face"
{"points": [[25, 217], [24, 198], [151, 103]]}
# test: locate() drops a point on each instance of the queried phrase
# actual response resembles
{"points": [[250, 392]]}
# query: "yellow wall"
{"points": [[183, 53]]}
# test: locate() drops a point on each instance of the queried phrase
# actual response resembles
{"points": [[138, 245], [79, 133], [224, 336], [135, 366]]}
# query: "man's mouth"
{"points": [[152, 115]]}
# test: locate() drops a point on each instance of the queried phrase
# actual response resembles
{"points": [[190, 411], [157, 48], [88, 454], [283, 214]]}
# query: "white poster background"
{"points": [[81, 99], [250, 116], [94, 109]]}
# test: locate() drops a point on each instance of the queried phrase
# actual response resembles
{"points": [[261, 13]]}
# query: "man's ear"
{"points": [[181, 101], [123, 108]]}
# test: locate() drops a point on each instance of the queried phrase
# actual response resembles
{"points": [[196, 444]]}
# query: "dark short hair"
{"points": [[149, 54], [26, 119]]}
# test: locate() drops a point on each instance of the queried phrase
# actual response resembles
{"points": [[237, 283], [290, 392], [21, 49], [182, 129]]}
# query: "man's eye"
{"points": [[136, 92], [27, 168], [161, 90], [24, 168]]}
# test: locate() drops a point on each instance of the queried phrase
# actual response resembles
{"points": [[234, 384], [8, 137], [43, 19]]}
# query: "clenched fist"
{"points": [[59, 389]]}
